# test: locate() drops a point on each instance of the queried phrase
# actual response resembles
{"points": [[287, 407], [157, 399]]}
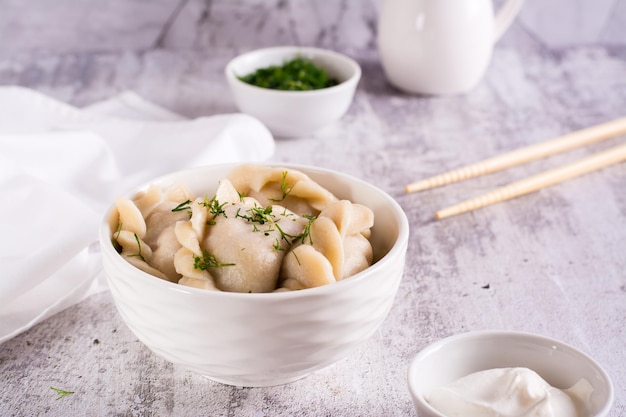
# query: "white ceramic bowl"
{"points": [[262, 339], [561, 365], [294, 113]]}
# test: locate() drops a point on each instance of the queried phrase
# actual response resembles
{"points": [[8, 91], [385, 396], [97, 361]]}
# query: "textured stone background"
{"points": [[552, 262]]}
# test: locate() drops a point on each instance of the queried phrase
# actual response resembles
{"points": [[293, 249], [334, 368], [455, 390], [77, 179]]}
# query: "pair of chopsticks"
{"points": [[530, 153]]}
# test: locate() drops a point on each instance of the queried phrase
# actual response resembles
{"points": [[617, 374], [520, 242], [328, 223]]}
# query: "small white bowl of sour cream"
{"points": [[507, 373]]}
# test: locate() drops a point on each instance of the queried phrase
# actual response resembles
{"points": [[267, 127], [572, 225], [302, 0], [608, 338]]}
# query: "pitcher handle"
{"points": [[505, 16]]}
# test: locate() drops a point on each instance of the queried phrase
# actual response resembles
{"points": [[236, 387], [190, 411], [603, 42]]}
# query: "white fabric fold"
{"points": [[61, 167]]}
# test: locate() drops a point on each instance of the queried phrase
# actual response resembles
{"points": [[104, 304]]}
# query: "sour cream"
{"points": [[509, 392]]}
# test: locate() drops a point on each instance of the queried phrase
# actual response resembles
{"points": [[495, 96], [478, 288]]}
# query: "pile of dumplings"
{"points": [[266, 229]]}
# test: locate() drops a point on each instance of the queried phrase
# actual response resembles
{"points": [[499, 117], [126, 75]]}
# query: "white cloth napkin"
{"points": [[61, 167]]}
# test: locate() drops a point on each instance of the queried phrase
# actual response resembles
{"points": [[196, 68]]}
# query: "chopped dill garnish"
{"points": [[207, 260], [283, 235], [184, 206], [298, 74], [61, 392], [214, 206], [263, 216], [296, 256], [138, 254], [284, 188], [306, 232], [257, 214], [114, 240]]}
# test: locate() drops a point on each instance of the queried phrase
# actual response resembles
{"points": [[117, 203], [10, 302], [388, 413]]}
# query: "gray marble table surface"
{"points": [[552, 262]]}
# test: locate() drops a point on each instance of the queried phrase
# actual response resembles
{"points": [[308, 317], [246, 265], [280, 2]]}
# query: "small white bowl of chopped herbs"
{"points": [[294, 91]]}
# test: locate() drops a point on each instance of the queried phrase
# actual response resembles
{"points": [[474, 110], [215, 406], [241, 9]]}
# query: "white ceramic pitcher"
{"points": [[440, 47]]}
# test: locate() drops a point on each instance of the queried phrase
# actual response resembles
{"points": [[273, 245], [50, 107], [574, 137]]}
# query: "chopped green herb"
{"points": [[306, 232], [264, 216], [207, 260], [257, 214], [184, 206], [283, 235], [138, 254], [296, 256], [299, 74], [114, 240], [214, 206], [61, 393], [284, 188]]}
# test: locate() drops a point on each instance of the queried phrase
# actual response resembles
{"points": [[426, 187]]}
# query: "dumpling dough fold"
{"points": [[337, 247]]}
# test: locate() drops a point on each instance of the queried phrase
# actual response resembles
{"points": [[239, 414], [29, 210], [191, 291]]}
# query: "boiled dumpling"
{"points": [[277, 185], [189, 234], [265, 229], [130, 218], [162, 238], [353, 223], [146, 223], [305, 267], [161, 219], [248, 243], [128, 239], [151, 198], [133, 248], [337, 247]]}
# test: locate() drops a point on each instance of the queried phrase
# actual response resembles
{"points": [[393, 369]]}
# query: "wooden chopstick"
{"points": [[539, 181], [523, 155]]}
